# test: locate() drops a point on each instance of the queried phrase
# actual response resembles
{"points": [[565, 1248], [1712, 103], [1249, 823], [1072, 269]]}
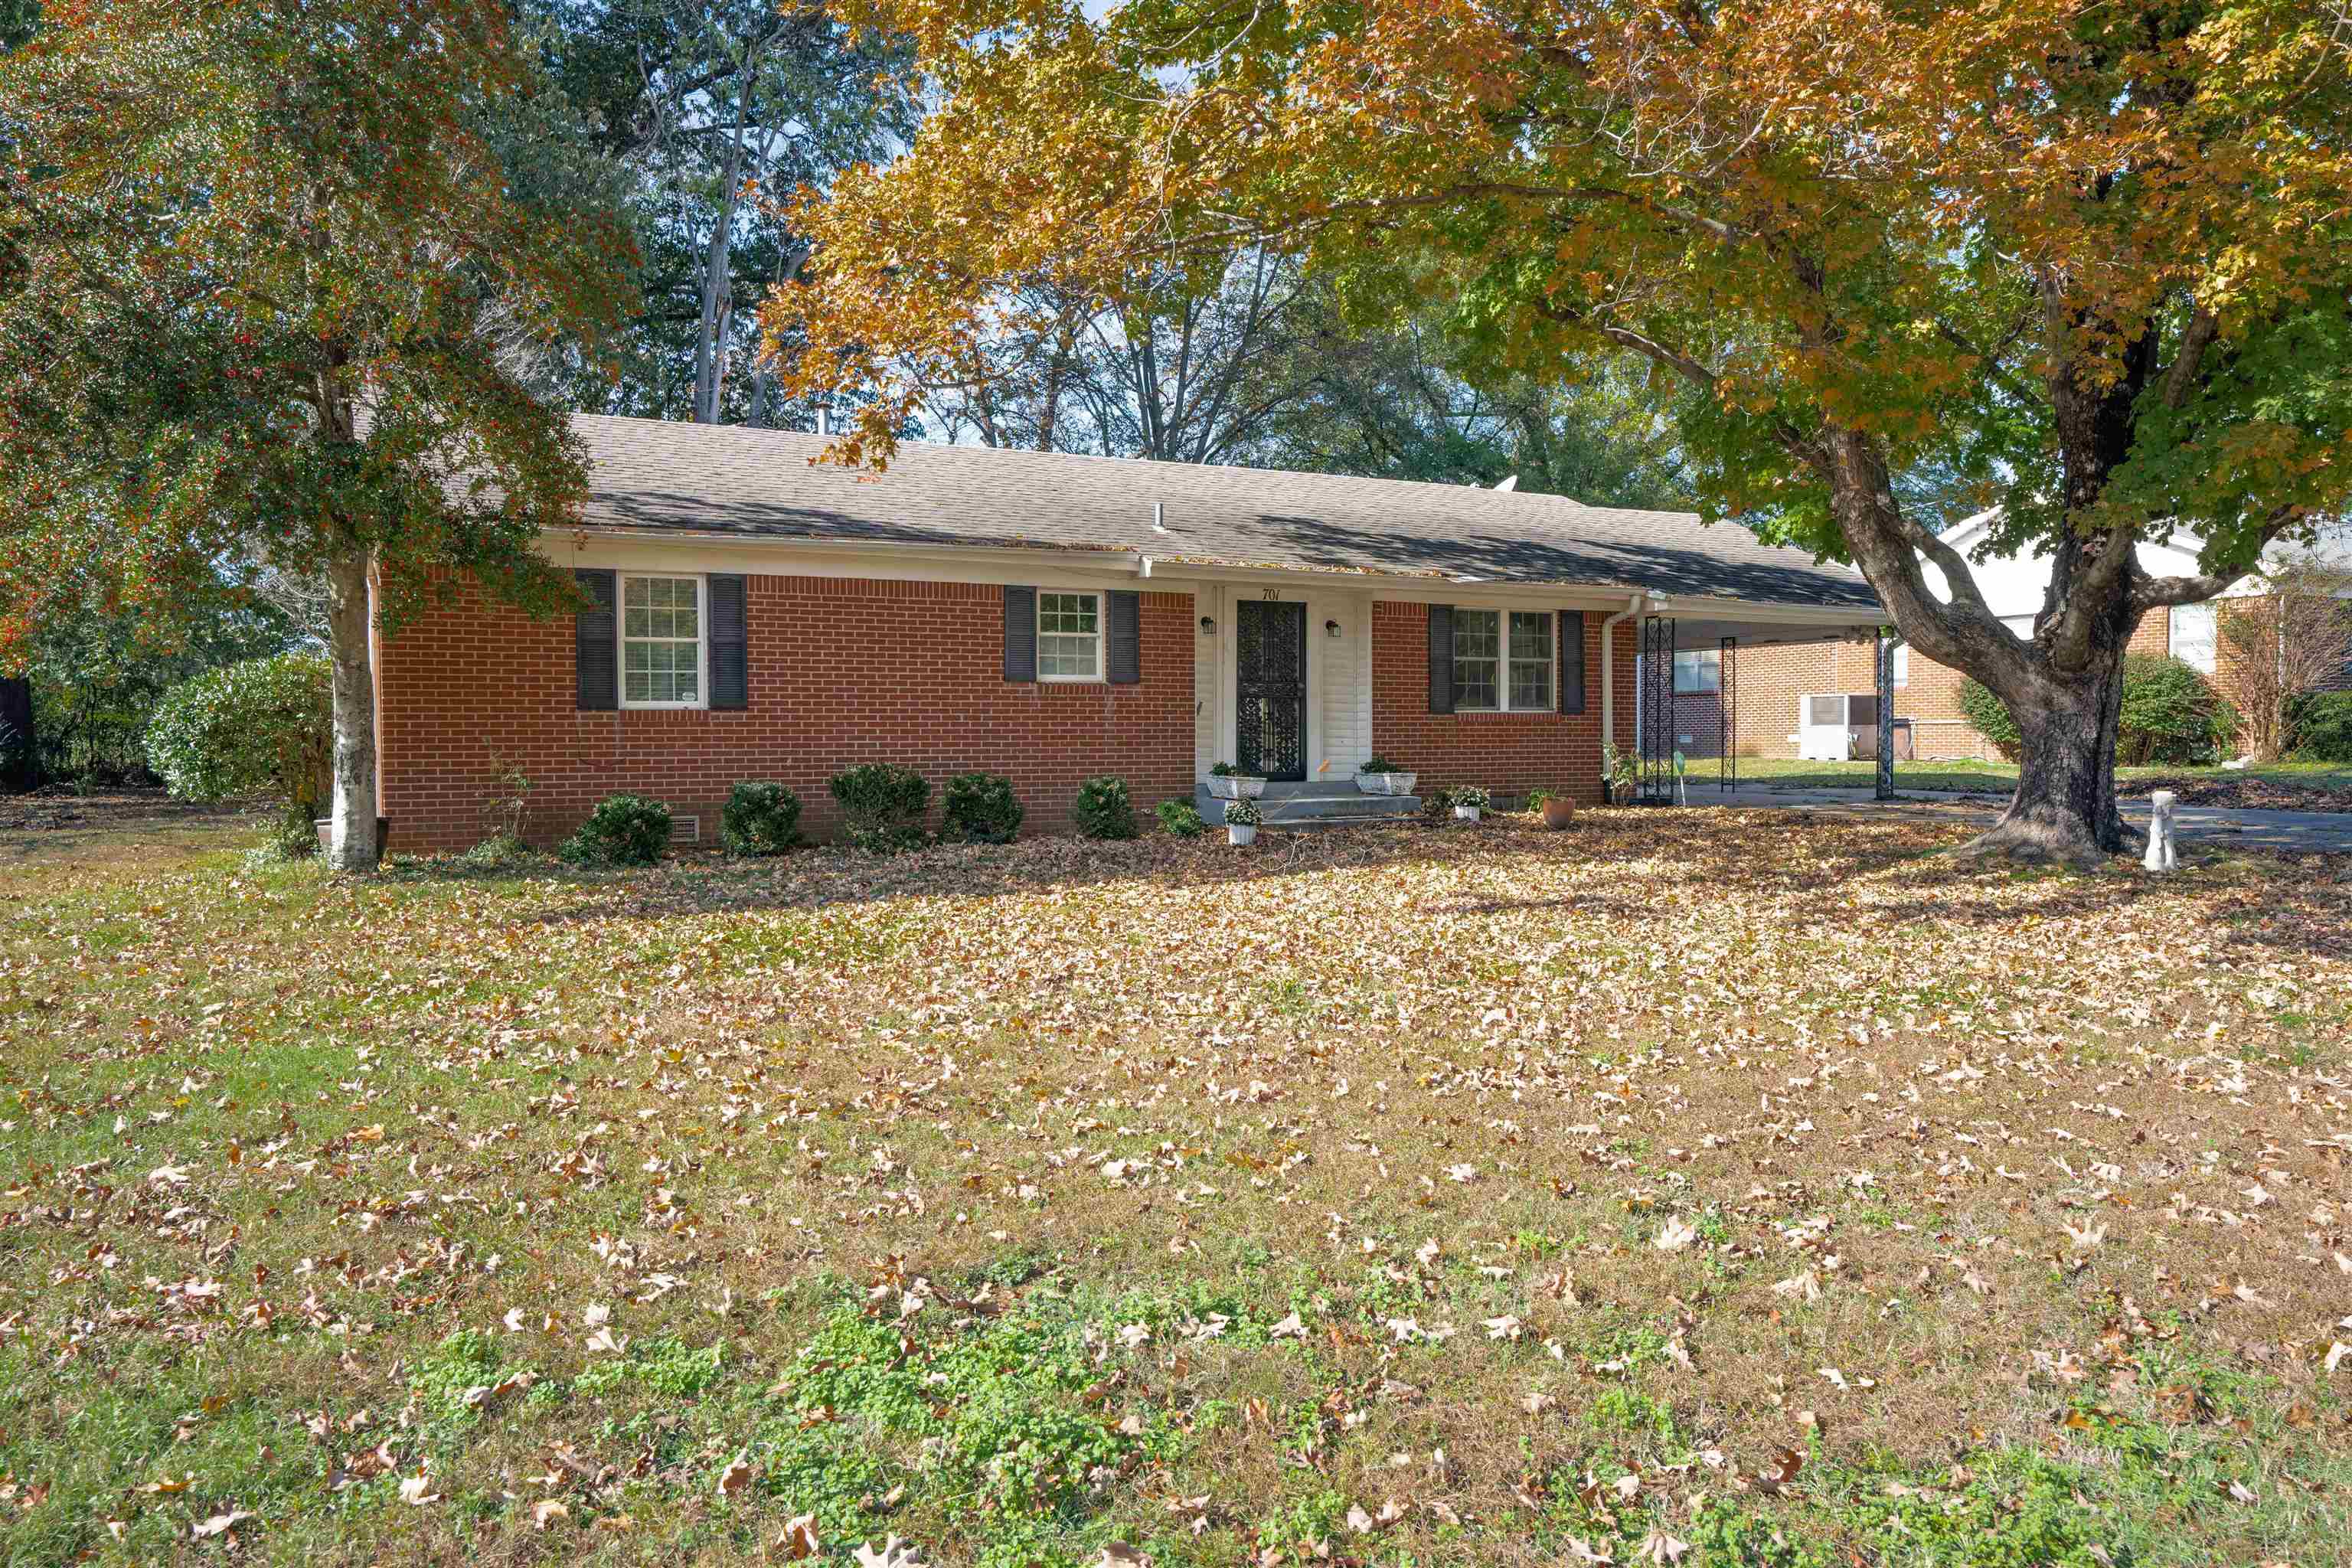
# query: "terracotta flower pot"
{"points": [[1557, 812]]}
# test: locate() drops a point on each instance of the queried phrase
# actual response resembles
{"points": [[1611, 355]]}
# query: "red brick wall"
{"points": [[841, 671], [1508, 754]]}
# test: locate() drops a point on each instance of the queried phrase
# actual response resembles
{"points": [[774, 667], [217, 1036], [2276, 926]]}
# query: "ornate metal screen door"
{"points": [[1270, 689]]}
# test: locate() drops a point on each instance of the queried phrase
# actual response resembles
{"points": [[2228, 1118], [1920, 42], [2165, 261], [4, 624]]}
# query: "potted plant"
{"points": [[1225, 783], [1620, 771], [1556, 809], [1380, 776], [1467, 801], [1241, 819]]}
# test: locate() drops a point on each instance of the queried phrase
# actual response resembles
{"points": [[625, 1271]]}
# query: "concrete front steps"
{"points": [[1316, 805]]}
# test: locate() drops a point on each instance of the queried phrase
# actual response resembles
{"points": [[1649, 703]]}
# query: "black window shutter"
{"points": [[1441, 659], [595, 642], [1125, 649], [730, 651], [1571, 661], [1020, 634]]}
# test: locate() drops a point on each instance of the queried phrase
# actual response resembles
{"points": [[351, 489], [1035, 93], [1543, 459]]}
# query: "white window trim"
{"points": [[1902, 665], [1102, 634], [702, 638], [1503, 660]]}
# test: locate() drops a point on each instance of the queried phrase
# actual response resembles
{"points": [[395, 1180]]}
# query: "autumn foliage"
{"points": [[2094, 259]]}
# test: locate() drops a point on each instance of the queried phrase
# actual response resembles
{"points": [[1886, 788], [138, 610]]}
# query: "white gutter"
{"points": [[1609, 671]]}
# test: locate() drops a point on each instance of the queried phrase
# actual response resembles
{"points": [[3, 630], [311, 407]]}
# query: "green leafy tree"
{"points": [[265, 726], [98, 670], [709, 108], [273, 294]]}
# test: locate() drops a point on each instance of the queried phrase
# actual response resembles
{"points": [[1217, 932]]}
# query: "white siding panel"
{"points": [[1346, 677], [1210, 697]]}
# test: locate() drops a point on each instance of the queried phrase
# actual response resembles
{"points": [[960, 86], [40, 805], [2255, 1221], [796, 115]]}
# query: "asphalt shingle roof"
{"points": [[662, 475]]}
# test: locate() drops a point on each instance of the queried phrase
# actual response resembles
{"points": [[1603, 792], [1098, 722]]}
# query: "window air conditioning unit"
{"points": [[1834, 727]]}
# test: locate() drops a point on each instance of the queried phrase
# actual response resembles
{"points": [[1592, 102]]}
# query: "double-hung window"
{"points": [[2193, 636], [1699, 671], [1503, 660], [1069, 637], [661, 642]]}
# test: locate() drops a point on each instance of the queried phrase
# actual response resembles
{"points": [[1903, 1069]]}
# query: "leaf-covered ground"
{"points": [[1689, 1187]]}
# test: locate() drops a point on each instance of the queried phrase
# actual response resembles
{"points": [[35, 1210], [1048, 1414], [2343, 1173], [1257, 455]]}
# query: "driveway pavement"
{"points": [[2307, 832]]}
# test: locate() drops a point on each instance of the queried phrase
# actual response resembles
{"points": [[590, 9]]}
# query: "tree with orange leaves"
{"points": [[2097, 255]]}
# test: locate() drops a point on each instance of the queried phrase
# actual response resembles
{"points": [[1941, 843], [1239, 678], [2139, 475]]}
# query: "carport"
{"points": [[1673, 624]]}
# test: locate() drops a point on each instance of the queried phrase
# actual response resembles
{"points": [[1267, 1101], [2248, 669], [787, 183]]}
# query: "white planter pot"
{"points": [[1465, 814], [1385, 783], [1234, 786], [1241, 833]]}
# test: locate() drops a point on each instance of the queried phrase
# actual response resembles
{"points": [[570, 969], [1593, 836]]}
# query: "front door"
{"points": [[1270, 689]]}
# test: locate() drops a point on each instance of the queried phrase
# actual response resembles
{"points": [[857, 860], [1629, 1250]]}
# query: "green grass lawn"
{"points": [[1702, 1187], [2325, 781]]}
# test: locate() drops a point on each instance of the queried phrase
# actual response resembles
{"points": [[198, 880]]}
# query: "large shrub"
{"points": [[981, 810], [2320, 726], [1103, 809], [2170, 714], [266, 725], [761, 817], [885, 804], [624, 830], [1989, 716]]}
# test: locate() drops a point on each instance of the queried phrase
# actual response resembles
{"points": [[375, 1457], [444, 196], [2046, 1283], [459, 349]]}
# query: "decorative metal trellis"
{"points": [[1656, 708], [1727, 715]]}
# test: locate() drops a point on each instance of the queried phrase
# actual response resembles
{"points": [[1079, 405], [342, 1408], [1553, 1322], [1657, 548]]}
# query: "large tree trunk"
{"points": [[348, 622], [2064, 807]]}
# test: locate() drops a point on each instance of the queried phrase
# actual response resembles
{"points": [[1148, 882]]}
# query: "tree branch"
{"points": [[2181, 377]]}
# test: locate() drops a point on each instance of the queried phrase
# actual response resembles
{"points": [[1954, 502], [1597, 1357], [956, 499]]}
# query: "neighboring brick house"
{"points": [[1049, 618], [1772, 681]]}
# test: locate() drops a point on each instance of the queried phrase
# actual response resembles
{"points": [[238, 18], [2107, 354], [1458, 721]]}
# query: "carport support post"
{"points": [[1886, 790]]}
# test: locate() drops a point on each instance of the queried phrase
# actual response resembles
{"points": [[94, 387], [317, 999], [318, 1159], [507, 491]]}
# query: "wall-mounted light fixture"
{"points": [[1331, 628], [1208, 624]]}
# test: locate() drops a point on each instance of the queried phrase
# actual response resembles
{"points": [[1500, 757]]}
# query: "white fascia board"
{"points": [[1762, 612]]}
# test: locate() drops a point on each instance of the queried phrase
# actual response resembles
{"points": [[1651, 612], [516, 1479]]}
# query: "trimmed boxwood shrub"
{"points": [[624, 830], [2320, 725], [885, 804], [1103, 809], [1180, 817], [761, 817], [981, 810]]}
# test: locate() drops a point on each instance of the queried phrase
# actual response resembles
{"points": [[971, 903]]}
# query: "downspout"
{"points": [[1608, 676]]}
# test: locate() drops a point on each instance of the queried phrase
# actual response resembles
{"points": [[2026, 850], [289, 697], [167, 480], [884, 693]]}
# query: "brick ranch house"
{"points": [[1774, 681], [1051, 618]]}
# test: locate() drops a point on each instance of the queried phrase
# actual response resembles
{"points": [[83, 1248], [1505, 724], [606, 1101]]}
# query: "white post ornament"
{"points": [[2161, 856]]}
